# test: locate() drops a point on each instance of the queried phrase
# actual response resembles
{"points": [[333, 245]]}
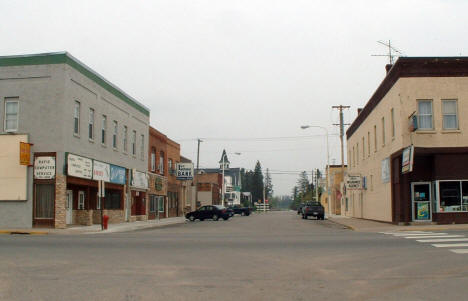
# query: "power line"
{"points": [[255, 138]]}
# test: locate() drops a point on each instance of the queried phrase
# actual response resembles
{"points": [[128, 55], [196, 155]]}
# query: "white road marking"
{"points": [[419, 234], [450, 245], [460, 251], [442, 240], [434, 236]]}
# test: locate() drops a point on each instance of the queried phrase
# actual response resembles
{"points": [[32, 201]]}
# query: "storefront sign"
{"points": [[101, 171], [44, 168], [407, 161], [25, 153], [353, 182], [139, 179], [80, 167], [117, 174], [386, 170], [184, 171]]}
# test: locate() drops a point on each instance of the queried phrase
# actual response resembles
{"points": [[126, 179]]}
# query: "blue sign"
{"points": [[117, 175]]}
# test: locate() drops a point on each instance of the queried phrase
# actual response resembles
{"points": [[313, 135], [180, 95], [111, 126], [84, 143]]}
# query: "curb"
{"points": [[341, 224], [26, 232]]}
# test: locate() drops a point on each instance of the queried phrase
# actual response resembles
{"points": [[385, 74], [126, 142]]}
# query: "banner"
{"points": [[117, 174]]}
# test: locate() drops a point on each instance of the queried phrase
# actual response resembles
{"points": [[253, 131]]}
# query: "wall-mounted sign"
{"points": [[25, 153], [407, 160], [386, 170], [184, 171], [44, 168], [139, 179], [353, 182], [117, 174], [79, 167], [101, 171]]}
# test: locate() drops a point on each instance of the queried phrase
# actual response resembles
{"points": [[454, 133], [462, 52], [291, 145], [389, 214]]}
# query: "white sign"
{"points": [[386, 170], [44, 168], [139, 179], [101, 171], [184, 171], [407, 160], [353, 182], [79, 167]]}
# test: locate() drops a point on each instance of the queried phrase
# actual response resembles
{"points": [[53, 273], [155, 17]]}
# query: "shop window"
{"points": [[425, 115], [161, 204], [76, 118], [464, 196], [153, 203], [450, 196], [11, 115], [81, 200], [113, 200], [449, 112]]}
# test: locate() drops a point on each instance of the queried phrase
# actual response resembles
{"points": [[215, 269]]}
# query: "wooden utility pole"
{"points": [[196, 173], [341, 124]]}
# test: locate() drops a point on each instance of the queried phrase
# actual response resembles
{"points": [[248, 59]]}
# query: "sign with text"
{"points": [[101, 171], [79, 167], [139, 179], [407, 160], [353, 182], [184, 171], [25, 153], [44, 168], [117, 174]]}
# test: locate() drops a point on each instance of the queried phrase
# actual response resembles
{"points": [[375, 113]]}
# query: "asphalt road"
{"points": [[273, 256]]}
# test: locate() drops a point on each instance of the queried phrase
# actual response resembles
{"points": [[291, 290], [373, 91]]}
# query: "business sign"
{"points": [[139, 179], [101, 171], [44, 168], [79, 167], [25, 153], [353, 182], [117, 175], [184, 171], [407, 161], [386, 170]]}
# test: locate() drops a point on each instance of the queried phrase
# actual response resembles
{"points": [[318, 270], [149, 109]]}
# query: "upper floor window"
{"points": [[142, 147], [134, 143], [91, 124], [363, 149], [449, 112], [114, 135], [368, 144], [393, 122], [383, 131], [169, 165], [11, 115], [375, 138], [125, 138], [76, 115], [425, 114], [161, 163], [153, 159], [103, 129]]}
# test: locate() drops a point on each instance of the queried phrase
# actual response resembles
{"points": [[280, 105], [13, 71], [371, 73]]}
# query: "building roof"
{"points": [[67, 58], [224, 155], [406, 67]]}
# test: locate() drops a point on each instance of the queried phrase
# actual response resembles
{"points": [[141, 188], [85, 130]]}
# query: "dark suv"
{"points": [[214, 212], [313, 209]]}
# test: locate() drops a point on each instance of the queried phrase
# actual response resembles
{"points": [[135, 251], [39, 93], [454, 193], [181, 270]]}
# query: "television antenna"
{"points": [[392, 52]]}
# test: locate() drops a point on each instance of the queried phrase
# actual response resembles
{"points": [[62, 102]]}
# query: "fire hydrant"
{"points": [[105, 221]]}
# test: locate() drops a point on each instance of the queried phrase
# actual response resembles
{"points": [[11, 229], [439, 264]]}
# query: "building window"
{"points": [[393, 122], [453, 196], [142, 147], [91, 124], [125, 137], [76, 115], [153, 159], [11, 115], [375, 138], [357, 153], [425, 115], [368, 144], [383, 131], [449, 112], [354, 158], [161, 163], [169, 166], [103, 129], [113, 199], [363, 149], [161, 204], [114, 135], [153, 203], [81, 200], [134, 143]]}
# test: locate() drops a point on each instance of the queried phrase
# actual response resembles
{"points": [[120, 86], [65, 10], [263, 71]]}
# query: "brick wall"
{"points": [[60, 201], [83, 217]]}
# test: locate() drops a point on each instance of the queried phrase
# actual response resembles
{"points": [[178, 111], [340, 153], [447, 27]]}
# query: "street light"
{"points": [[222, 184], [328, 162]]}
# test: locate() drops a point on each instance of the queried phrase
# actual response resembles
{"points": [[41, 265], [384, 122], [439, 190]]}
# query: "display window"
{"points": [[452, 196]]}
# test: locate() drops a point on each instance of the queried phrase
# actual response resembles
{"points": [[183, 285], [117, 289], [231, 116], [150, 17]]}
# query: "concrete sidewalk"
{"points": [[96, 229], [364, 225]]}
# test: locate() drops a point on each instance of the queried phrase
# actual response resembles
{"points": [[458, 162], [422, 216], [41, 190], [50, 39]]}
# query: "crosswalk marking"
{"points": [[442, 240], [433, 236], [450, 245], [460, 251]]}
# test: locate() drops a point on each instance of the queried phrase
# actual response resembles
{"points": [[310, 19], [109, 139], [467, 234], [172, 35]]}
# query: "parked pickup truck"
{"points": [[240, 210], [313, 209]]}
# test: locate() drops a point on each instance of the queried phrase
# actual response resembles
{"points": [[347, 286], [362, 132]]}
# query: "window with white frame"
{"points": [[11, 114], [114, 135], [153, 159], [425, 115], [142, 147], [169, 165], [103, 129], [125, 137], [76, 117], [453, 196], [91, 124], [449, 113], [161, 163], [134, 143], [81, 200]]}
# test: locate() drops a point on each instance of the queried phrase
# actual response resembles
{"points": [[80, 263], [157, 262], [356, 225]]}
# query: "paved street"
{"points": [[276, 256]]}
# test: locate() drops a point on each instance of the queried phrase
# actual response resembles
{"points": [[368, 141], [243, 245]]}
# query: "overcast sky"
{"points": [[237, 70]]}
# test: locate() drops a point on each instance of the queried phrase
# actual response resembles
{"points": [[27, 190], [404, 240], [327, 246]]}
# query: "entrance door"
{"points": [[44, 203], [421, 197], [69, 207]]}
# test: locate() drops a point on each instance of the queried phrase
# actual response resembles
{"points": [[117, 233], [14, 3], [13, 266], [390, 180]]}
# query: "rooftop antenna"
{"points": [[392, 52]]}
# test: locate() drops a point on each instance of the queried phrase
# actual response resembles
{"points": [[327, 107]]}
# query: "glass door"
{"points": [[421, 199]]}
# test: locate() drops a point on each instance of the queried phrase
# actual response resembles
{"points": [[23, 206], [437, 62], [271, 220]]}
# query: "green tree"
{"points": [[268, 185], [257, 183], [303, 184]]}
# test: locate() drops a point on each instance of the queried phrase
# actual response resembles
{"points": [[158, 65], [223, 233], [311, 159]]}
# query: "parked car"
{"points": [[237, 209], [214, 212], [299, 208], [313, 209]]}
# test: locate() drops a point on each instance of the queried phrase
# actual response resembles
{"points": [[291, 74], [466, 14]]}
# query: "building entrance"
{"points": [[421, 199]]}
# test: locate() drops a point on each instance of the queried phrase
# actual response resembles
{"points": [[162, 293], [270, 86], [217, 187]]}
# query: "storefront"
{"points": [[44, 190], [436, 188], [138, 190], [157, 192]]}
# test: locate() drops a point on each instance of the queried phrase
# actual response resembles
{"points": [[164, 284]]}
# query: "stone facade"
{"points": [[83, 217], [60, 201]]}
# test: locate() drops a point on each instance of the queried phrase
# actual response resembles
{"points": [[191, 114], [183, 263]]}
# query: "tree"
{"points": [[257, 183], [268, 185], [303, 184]]}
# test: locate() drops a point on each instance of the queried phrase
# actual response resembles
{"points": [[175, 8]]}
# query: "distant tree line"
{"points": [[254, 182]]}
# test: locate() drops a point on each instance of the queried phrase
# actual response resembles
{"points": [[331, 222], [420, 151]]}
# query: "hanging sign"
{"points": [[79, 167], [407, 160], [184, 171], [25, 153], [101, 171], [353, 182], [44, 168]]}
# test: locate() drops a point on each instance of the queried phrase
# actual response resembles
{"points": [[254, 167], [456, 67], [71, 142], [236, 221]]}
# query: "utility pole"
{"points": [[196, 174], [341, 124], [316, 185]]}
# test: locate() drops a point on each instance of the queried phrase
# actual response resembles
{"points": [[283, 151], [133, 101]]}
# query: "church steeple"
{"points": [[226, 161]]}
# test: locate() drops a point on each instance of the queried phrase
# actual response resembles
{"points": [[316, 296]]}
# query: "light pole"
{"points": [[328, 162], [222, 184]]}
